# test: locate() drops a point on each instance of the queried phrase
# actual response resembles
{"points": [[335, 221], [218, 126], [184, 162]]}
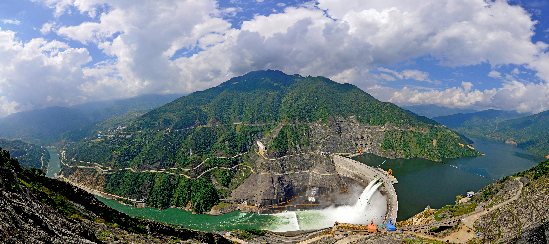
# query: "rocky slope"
{"points": [[35, 209]]}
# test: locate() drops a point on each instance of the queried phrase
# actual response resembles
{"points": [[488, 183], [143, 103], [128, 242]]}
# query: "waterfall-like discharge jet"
{"points": [[371, 205]]}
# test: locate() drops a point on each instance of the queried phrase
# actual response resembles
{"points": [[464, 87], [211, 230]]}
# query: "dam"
{"points": [[360, 172], [333, 184]]}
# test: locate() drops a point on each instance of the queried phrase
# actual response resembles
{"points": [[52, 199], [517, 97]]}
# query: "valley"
{"points": [[204, 148], [285, 167]]}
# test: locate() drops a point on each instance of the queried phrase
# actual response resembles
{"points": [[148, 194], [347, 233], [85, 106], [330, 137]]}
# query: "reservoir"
{"points": [[421, 183], [53, 165]]}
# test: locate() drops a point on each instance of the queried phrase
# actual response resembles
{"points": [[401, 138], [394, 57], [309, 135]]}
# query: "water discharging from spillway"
{"points": [[371, 205]]}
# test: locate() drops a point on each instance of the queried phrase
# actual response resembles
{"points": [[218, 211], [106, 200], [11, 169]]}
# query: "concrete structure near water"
{"points": [[361, 172]]}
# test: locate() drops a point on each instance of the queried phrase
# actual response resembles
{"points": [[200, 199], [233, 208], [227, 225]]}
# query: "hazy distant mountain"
{"points": [[45, 126], [478, 124], [431, 111], [481, 118], [530, 133], [41, 126], [139, 103]]}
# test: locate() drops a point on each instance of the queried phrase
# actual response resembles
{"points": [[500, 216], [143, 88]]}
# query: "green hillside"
{"points": [[477, 124], [272, 96], [530, 133], [207, 139], [28, 155]]}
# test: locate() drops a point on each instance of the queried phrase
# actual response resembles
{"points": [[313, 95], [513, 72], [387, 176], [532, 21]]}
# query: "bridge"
{"points": [[361, 172]]}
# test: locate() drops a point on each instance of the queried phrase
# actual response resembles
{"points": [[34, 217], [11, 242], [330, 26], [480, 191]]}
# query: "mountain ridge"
{"points": [[207, 134]]}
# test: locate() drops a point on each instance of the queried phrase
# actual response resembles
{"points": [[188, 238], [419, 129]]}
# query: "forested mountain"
{"points": [[28, 155], [272, 96], [477, 119], [478, 124], [529, 133], [201, 147], [431, 111], [46, 126]]}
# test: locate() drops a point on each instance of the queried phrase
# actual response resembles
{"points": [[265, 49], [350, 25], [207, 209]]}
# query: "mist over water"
{"points": [[370, 205]]}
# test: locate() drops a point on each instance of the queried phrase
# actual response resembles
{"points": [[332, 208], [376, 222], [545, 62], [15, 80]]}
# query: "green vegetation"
{"points": [[47, 126], [28, 155], [163, 190], [435, 143], [272, 96], [291, 136], [529, 133], [63, 198], [208, 129], [450, 211], [536, 172]]}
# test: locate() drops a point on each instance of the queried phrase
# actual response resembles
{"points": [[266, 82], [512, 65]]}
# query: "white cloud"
{"points": [[7, 106], [494, 74], [47, 27], [515, 71], [387, 77], [452, 97], [13, 22], [39, 73], [281, 4], [523, 97], [416, 75], [407, 74], [466, 86], [395, 73], [142, 39]]}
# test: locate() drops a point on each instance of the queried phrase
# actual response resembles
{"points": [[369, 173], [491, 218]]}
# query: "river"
{"points": [[421, 183], [54, 164]]}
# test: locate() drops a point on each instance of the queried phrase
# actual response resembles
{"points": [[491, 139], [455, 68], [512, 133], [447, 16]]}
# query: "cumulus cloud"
{"points": [[39, 73], [47, 27], [144, 42], [460, 97], [494, 74], [523, 97]]}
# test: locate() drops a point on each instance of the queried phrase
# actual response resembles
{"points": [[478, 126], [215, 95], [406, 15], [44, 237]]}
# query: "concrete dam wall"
{"points": [[361, 172]]}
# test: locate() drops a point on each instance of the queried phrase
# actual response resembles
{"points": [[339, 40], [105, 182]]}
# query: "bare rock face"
{"points": [[284, 179], [24, 219], [521, 221], [278, 180]]}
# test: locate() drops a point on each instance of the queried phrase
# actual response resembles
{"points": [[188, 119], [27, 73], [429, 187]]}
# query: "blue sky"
{"points": [[466, 54]]}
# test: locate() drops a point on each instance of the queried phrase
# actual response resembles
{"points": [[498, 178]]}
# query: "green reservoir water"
{"points": [[53, 165], [421, 183], [230, 221]]}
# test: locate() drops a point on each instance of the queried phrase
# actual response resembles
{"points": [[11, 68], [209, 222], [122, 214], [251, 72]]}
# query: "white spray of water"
{"points": [[371, 205]]}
